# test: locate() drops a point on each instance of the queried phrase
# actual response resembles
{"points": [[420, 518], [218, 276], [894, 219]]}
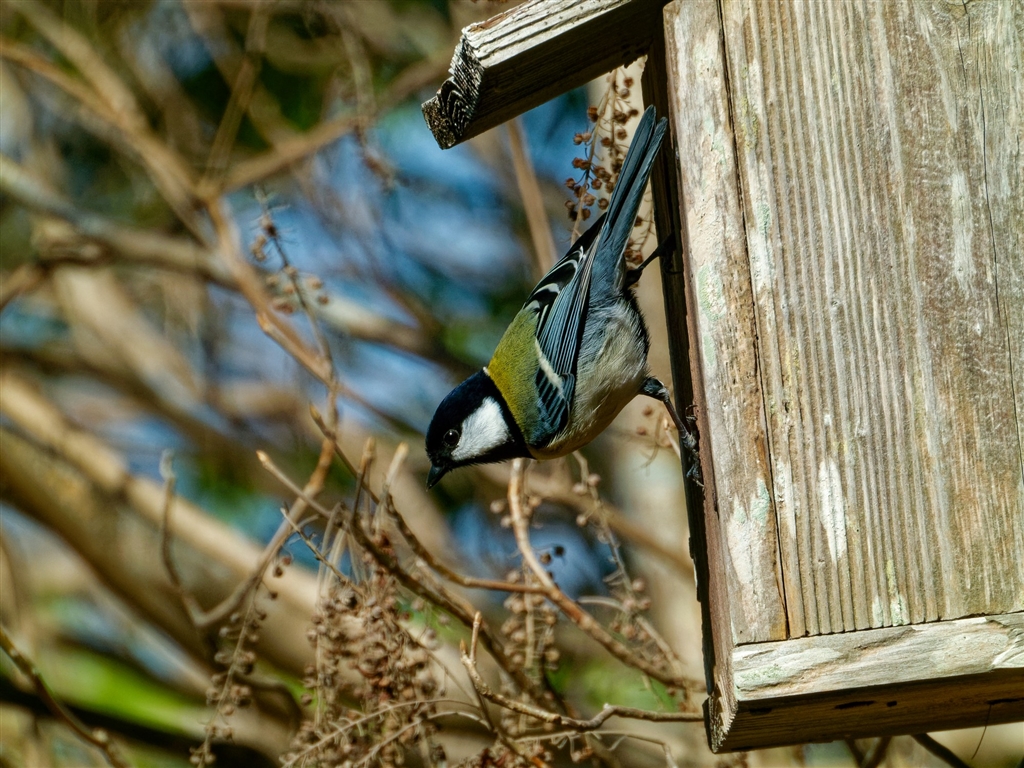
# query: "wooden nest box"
{"points": [[846, 186]]}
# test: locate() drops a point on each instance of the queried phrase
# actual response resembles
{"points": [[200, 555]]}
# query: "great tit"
{"points": [[574, 355]]}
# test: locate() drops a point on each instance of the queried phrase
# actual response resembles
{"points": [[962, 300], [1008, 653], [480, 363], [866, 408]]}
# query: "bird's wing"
{"points": [[562, 297], [560, 301]]}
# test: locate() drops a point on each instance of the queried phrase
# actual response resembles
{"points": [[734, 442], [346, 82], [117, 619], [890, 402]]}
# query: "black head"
{"points": [[472, 425]]}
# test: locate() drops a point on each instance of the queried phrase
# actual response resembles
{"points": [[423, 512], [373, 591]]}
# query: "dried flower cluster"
{"points": [[361, 626], [605, 146], [530, 630], [290, 289], [230, 687]]}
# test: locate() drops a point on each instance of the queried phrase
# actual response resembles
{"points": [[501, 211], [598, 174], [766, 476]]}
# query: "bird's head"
{"points": [[472, 425]]}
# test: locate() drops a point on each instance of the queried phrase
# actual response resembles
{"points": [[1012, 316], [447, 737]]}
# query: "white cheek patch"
{"points": [[483, 430]]}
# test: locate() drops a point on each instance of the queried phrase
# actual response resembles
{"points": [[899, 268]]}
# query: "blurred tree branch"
{"points": [[159, 155], [97, 737], [80, 488], [137, 245]]}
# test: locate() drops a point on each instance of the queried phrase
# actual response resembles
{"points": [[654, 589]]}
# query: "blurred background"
{"points": [[214, 214]]}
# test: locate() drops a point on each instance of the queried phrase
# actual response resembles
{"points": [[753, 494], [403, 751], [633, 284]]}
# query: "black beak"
{"points": [[435, 474]]}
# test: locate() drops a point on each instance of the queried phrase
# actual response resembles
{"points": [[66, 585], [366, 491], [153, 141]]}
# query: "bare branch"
{"points": [[439, 596], [77, 49], [941, 751], [189, 603], [79, 479], [533, 199], [97, 737], [431, 561], [571, 609], [228, 244], [135, 245], [169, 172], [559, 491], [607, 712]]}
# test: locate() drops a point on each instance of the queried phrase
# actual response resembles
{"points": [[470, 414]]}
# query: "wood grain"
{"points": [[914, 653], [853, 211], [749, 604], [936, 676], [666, 193], [531, 53], [880, 166]]}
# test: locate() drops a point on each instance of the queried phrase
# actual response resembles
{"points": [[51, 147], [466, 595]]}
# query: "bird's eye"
{"points": [[451, 438]]}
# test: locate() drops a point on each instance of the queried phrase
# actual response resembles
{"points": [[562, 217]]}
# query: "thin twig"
{"points": [[205, 619], [286, 153], [192, 608], [432, 562], [97, 736], [583, 620], [332, 435], [533, 200], [607, 712], [941, 751], [274, 236], [365, 461], [875, 754], [251, 287], [296, 528], [241, 93], [521, 526]]}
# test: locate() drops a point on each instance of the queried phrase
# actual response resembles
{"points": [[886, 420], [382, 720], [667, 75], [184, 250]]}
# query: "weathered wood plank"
{"points": [[933, 705], [678, 293], [740, 516], [880, 165], [913, 653], [892, 680], [531, 53]]}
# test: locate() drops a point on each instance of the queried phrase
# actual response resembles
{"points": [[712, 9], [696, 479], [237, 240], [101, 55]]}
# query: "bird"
{"points": [[573, 356]]}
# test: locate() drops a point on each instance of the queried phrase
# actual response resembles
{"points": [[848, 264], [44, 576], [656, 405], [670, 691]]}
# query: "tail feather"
{"points": [[625, 201]]}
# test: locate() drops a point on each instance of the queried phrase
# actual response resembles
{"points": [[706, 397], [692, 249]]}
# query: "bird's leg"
{"points": [[665, 247], [653, 387]]}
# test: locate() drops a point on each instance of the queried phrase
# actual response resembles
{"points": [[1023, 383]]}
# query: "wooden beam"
{"points": [[947, 674], [529, 54]]}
